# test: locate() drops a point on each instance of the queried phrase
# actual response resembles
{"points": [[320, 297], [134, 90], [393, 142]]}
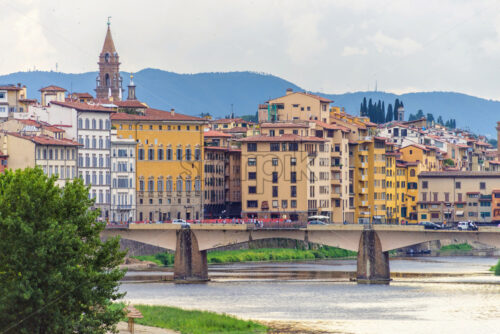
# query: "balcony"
{"points": [[124, 207]]}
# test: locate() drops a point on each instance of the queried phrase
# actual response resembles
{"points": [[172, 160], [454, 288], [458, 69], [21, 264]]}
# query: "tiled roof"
{"points": [[230, 120], [156, 115], [237, 129], [283, 125], [215, 134], [460, 174], [130, 104], [10, 87], [46, 140], [282, 138], [83, 95], [28, 100], [38, 124], [314, 96], [82, 106], [332, 126], [52, 89]]}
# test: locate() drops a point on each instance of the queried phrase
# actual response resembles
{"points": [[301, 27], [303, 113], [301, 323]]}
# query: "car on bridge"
{"points": [[316, 222], [467, 226], [431, 226], [181, 222]]}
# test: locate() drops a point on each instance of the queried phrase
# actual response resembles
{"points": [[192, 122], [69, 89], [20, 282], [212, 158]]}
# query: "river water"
{"points": [[427, 295]]}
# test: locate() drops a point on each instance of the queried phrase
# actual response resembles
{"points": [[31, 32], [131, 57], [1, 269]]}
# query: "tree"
{"points": [[56, 275], [396, 107], [449, 163], [420, 114], [430, 118], [390, 116], [440, 120]]}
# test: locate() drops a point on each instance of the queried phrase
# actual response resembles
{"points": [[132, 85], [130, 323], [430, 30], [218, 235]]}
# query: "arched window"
{"points": [[169, 184], [87, 123], [168, 153], [179, 152], [100, 124], [107, 80], [197, 184], [87, 142], [94, 124], [80, 123], [108, 126], [106, 57], [151, 185], [160, 184], [178, 186], [197, 153], [94, 142], [188, 185], [101, 143], [188, 154]]}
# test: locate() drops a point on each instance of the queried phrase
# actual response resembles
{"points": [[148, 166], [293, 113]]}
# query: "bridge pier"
{"points": [[373, 263], [190, 263]]}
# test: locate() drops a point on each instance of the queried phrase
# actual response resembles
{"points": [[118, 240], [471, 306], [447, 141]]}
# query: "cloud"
{"points": [[393, 46], [354, 51]]}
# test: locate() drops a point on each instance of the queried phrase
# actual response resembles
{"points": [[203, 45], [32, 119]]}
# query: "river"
{"points": [[427, 295]]}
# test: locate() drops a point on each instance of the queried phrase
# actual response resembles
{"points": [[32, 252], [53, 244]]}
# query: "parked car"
{"points": [[467, 226], [315, 222], [181, 222], [431, 226]]}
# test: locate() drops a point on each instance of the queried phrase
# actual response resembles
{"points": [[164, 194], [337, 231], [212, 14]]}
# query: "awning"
{"points": [[459, 213]]}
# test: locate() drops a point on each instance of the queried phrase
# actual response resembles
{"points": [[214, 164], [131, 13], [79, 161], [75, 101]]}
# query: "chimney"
{"points": [[172, 112], [289, 91], [18, 84]]}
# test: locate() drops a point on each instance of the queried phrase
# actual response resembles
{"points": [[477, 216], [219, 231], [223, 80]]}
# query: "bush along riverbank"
{"points": [[496, 269], [194, 322], [263, 254], [456, 247]]}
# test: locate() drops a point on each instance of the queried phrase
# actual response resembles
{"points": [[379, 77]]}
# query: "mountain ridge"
{"points": [[220, 93]]}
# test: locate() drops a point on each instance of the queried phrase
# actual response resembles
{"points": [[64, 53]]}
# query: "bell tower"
{"points": [[109, 81]]}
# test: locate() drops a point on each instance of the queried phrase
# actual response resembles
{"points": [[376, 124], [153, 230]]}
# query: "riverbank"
{"points": [[195, 322], [496, 269], [252, 255]]}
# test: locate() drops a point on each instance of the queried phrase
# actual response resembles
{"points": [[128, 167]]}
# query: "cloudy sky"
{"points": [[331, 46]]}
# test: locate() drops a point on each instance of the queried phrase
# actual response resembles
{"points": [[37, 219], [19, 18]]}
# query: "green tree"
{"points": [[56, 275], [419, 114], [440, 120], [449, 162], [430, 118], [390, 116]]}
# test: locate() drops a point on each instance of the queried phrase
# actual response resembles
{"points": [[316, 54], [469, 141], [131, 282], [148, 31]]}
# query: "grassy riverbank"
{"points": [[496, 269], [263, 254], [455, 247], [194, 322]]}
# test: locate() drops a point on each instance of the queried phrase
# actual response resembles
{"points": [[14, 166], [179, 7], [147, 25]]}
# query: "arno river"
{"points": [[428, 295]]}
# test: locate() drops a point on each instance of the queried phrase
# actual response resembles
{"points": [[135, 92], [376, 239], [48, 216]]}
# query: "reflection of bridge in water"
{"points": [[372, 244]]}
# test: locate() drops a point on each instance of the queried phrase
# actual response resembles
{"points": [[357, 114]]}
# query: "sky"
{"points": [[337, 46]]}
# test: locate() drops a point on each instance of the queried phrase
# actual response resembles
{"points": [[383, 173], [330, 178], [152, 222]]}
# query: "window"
{"points": [[293, 191], [252, 161], [160, 154], [151, 154], [140, 155], [293, 203], [169, 185], [179, 153], [458, 185], [274, 147], [252, 204], [275, 161], [482, 185], [252, 189], [293, 161], [412, 172], [252, 147], [275, 177], [275, 203], [425, 184], [275, 191], [293, 146], [284, 204], [169, 154], [197, 154], [252, 175], [87, 123], [188, 154]]}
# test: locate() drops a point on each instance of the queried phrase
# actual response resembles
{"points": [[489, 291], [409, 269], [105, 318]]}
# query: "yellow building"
{"points": [[12, 99], [285, 176], [425, 156], [169, 170], [295, 106], [230, 123], [52, 93]]}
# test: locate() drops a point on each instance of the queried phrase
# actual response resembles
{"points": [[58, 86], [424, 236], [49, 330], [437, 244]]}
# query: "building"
{"points": [[295, 106], [81, 97], [169, 166], [12, 100], [52, 93], [54, 156], [286, 176], [230, 123], [109, 80], [454, 196], [31, 127], [123, 178]]}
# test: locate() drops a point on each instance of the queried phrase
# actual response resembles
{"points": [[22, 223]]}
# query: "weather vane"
{"points": [[109, 22]]}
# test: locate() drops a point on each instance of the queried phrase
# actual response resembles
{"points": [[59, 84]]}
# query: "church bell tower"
{"points": [[109, 81]]}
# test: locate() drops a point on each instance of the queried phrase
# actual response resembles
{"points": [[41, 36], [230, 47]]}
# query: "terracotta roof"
{"points": [[482, 143], [216, 148], [283, 125], [109, 45], [83, 95], [45, 125], [332, 126], [422, 147], [155, 115], [46, 140], [215, 134], [230, 120], [460, 174], [53, 89], [10, 87], [129, 104], [282, 138], [28, 100], [314, 96], [82, 106]]}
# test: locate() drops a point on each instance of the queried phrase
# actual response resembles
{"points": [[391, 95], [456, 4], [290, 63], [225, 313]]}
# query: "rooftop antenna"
{"points": [[232, 112], [375, 85], [56, 67]]}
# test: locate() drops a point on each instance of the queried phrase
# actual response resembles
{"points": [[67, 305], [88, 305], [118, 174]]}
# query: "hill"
{"points": [[215, 93]]}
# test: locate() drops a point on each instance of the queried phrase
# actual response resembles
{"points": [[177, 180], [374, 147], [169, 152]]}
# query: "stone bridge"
{"points": [[372, 243]]}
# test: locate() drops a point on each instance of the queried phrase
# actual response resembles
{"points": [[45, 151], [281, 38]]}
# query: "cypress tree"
{"points": [[390, 115]]}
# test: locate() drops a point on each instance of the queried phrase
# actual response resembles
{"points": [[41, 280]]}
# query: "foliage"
{"points": [[449, 162], [56, 275], [195, 322], [251, 118], [497, 269], [463, 247], [493, 142], [263, 254]]}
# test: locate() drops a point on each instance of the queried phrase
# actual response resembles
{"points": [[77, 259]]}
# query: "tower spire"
{"points": [[109, 81]]}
